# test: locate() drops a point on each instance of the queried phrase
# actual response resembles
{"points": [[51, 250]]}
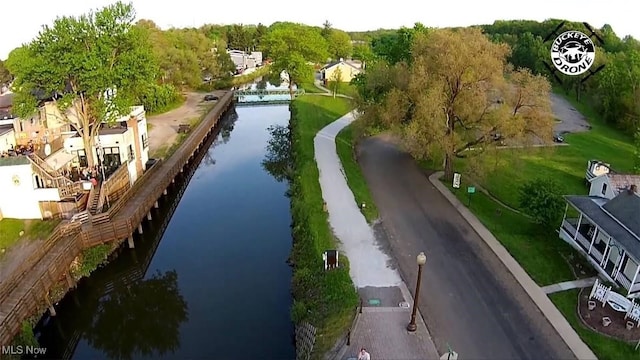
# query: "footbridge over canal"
{"points": [[27, 291], [265, 96]]}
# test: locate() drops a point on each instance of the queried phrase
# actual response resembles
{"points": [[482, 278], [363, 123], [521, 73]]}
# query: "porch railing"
{"points": [[622, 280], [580, 239]]}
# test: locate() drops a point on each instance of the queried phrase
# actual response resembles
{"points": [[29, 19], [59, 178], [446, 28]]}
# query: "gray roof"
{"points": [[590, 207], [14, 160], [626, 209], [5, 129]]}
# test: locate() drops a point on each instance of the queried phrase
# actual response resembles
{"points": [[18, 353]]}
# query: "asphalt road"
{"points": [[468, 299]]}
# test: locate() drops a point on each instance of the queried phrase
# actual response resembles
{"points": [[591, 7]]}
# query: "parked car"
{"points": [[210, 97], [558, 138]]}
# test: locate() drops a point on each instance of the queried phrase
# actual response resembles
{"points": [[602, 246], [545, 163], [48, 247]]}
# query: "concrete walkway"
{"points": [[568, 285], [381, 328], [548, 309]]}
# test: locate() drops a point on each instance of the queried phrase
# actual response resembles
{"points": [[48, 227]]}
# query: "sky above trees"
{"points": [[189, 13]]}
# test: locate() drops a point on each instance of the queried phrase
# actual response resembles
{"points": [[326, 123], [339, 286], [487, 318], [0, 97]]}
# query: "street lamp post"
{"points": [[421, 260]]}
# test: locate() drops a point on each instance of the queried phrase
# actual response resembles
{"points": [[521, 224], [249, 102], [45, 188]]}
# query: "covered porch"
{"points": [[603, 241]]}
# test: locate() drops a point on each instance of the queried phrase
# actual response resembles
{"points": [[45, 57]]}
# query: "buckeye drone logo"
{"points": [[573, 53]]}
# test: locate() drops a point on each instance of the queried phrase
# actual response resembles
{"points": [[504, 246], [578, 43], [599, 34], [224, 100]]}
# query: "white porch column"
{"points": [[575, 236], [593, 239], [566, 208], [605, 254], [616, 269]]}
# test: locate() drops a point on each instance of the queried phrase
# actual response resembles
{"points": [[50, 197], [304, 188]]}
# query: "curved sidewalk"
{"points": [[381, 328], [539, 297]]}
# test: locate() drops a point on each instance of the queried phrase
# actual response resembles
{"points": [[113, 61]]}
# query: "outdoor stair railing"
{"points": [[66, 187]]}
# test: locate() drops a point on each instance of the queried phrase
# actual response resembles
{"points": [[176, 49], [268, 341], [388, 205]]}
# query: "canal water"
{"points": [[208, 278]]}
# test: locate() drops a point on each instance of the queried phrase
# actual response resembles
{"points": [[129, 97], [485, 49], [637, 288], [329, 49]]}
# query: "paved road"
{"points": [[468, 298]]}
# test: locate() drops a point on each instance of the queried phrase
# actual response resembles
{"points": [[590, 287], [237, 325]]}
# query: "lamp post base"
{"points": [[412, 327]]}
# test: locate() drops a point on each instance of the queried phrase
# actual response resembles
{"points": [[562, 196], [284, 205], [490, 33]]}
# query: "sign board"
{"points": [[471, 189], [456, 180]]}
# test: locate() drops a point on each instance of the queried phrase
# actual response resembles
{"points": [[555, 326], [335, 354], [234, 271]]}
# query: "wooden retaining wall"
{"points": [[23, 294]]}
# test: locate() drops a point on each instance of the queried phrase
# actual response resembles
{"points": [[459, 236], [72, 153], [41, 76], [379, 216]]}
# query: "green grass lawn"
{"points": [[357, 183], [538, 251], [344, 88], [33, 230], [310, 88], [566, 164], [605, 348], [325, 299]]}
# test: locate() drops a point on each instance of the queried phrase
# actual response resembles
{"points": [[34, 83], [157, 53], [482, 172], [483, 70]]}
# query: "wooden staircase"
{"points": [[53, 178], [93, 203]]}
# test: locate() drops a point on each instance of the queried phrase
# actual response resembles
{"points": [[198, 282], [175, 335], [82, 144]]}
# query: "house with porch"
{"points": [[607, 232]]}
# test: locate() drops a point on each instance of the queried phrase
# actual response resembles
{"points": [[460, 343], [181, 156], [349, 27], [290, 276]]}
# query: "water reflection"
{"points": [[151, 311], [278, 161]]}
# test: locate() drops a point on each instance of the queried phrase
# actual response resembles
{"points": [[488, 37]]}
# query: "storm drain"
{"points": [[374, 302]]}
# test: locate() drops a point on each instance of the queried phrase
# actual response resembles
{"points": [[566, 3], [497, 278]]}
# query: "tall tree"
{"points": [[92, 66], [326, 29], [336, 79], [456, 102], [340, 46], [363, 53], [292, 46]]}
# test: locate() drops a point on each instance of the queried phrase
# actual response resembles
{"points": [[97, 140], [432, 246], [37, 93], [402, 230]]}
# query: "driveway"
{"points": [[570, 120], [469, 300]]}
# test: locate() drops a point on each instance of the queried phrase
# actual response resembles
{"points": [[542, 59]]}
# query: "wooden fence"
{"points": [[23, 293]]}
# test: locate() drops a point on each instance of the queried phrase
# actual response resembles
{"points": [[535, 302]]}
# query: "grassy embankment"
{"points": [[345, 145], [545, 257], [33, 230], [343, 88], [325, 299]]}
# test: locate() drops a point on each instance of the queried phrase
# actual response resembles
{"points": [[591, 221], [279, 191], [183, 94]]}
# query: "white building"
{"points": [[28, 182], [609, 185], [128, 142], [607, 233]]}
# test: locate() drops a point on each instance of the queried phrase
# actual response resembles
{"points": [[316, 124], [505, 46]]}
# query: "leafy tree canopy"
{"points": [[92, 66], [293, 47]]}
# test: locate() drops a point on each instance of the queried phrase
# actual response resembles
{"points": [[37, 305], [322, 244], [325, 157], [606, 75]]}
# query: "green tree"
{"points": [[453, 100], [292, 47], [396, 47], [92, 66], [5, 75], [238, 37], [340, 46], [326, 30], [542, 200], [336, 79], [363, 53]]}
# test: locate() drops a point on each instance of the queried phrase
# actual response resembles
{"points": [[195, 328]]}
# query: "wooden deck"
{"points": [[26, 292]]}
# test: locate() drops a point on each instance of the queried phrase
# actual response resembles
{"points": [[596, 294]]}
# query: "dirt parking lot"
{"points": [[164, 127]]}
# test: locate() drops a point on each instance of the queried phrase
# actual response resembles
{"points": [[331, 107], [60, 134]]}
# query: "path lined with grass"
{"points": [[326, 299]]}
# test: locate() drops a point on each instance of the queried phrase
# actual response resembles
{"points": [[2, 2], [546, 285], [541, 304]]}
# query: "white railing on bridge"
{"points": [[267, 92]]}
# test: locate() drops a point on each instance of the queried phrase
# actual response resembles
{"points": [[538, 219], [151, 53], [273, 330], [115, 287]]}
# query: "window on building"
{"points": [[145, 141], [604, 189], [131, 153], [111, 157], [82, 158]]}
